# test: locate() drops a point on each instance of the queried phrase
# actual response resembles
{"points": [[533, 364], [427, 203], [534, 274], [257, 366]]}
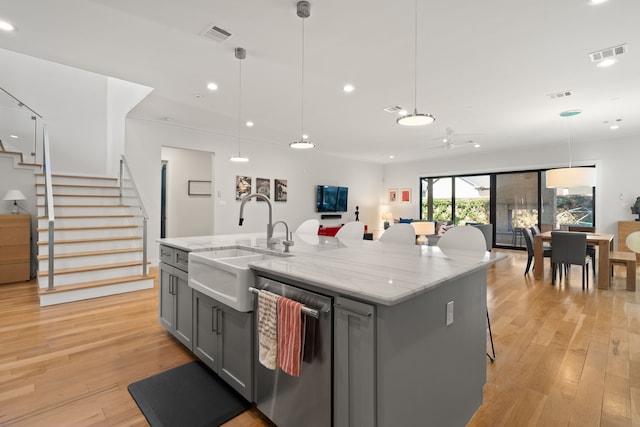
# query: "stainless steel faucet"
{"points": [[288, 237], [270, 242]]}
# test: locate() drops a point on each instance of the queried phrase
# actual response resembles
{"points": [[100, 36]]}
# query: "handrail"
{"points": [[48, 201], [124, 166], [20, 103]]}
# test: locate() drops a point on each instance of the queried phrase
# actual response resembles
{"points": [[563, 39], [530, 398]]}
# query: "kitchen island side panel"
{"points": [[428, 373]]}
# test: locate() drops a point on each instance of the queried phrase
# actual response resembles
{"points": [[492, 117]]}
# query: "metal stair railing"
{"points": [[48, 202], [124, 168]]}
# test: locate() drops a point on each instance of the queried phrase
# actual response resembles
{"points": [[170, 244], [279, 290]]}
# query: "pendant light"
{"points": [[303, 11], [415, 119], [571, 177], [240, 54]]}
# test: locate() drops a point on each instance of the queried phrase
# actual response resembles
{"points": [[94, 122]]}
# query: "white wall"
{"points": [[187, 215], [302, 170], [616, 162]]}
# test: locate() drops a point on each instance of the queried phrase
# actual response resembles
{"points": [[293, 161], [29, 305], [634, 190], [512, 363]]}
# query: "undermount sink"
{"points": [[225, 274]]}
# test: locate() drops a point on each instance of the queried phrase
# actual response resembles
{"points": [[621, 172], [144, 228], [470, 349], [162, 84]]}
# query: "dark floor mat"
{"points": [[189, 395]]}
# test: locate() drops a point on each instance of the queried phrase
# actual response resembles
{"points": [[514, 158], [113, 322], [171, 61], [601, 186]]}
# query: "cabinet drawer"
{"points": [[181, 259], [11, 236], [166, 254], [14, 253], [14, 272]]}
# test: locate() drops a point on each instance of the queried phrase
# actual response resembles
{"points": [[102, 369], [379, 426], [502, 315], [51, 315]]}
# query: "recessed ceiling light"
{"points": [[305, 136], [348, 88], [476, 145], [596, 2], [392, 156], [606, 63], [4, 25], [13, 136], [614, 127], [249, 124], [402, 112], [212, 86]]}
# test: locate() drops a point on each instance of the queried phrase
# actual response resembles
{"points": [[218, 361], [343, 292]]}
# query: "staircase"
{"points": [[98, 240]]}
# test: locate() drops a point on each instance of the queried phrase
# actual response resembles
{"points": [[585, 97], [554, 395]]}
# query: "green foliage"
{"points": [[467, 210]]}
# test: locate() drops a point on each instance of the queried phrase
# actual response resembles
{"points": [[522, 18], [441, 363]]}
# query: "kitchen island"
{"points": [[409, 325]]}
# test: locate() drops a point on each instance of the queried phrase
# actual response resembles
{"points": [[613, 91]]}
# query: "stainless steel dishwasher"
{"points": [[305, 400]]}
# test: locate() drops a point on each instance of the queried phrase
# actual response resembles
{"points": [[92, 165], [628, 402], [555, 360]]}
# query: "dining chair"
{"points": [[591, 250], [569, 248], [402, 233], [469, 239], [528, 240], [309, 226], [353, 230]]}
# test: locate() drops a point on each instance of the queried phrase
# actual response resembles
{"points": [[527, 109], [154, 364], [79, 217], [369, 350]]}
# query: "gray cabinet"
{"points": [[176, 297], [223, 340], [354, 364]]}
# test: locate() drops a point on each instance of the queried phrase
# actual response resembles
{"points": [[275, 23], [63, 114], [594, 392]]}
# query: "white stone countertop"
{"points": [[376, 272]]}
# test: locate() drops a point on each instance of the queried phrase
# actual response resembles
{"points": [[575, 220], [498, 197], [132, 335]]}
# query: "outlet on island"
{"points": [[449, 313]]}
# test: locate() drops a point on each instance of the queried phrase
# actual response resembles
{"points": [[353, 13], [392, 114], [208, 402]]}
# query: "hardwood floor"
{"points": [[564, 356]]}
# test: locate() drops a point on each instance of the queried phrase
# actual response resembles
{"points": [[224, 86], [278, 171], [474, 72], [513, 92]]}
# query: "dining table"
{"points": [[604, 242]]}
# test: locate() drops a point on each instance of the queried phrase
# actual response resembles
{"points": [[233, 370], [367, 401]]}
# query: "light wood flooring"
{"points": [[564, 356]]}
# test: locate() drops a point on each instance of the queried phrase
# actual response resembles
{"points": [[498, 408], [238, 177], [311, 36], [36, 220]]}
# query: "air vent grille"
{"points": [[393, 109], [562, 94], [608, 53], [216, 33]]}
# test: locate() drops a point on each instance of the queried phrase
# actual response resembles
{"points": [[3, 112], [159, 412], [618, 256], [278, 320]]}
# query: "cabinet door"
{"points": [[235, 349], [183, 318], [166, 297], [354, 364], [205, 338]]}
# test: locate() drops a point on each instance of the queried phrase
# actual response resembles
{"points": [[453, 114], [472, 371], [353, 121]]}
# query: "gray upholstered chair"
{"points": [[569, 248], [528, 240]]}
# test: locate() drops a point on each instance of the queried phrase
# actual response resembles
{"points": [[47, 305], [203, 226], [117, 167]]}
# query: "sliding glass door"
{"points": [[516, 206]]}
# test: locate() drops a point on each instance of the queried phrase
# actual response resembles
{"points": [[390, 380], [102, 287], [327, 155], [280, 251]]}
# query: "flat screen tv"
{"points": [[331, 198]]}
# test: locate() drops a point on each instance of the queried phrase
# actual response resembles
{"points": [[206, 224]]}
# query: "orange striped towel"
{"points": [[290, 336], [268, 329]]}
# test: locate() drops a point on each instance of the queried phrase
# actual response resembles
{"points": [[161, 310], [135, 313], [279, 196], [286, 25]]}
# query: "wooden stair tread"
{"points": [[88, 206], [105, 239], [91, 253], [57, 175], [97, 227], [112, 196], [94, 284], [89, 216], [92, 268], [112, 187]]}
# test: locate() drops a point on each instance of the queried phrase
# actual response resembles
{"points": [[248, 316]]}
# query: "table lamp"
{"points": [[423, 228], [14, 195], [387, 216]]}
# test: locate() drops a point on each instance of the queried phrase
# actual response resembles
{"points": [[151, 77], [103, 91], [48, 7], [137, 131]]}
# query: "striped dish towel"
{"points": [[290, 336], [268, 329]]}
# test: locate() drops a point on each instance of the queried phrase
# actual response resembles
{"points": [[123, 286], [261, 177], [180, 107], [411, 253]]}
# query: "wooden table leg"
{"points": [[603, 275], [538, 258]]}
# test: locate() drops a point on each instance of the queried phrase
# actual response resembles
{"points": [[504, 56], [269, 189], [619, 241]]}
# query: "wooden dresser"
{"points": [[15, 248], [624, 229]]}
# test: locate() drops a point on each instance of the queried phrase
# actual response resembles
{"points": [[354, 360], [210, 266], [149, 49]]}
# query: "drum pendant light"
{"points": [[240, 54], [415, 119], [303, 10]]}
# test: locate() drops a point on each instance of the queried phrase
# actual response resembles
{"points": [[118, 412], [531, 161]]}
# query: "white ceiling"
{"points": [[484, 67]]}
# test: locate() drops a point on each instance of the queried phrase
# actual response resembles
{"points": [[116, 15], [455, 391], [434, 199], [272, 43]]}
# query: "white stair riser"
{"points": [[86, 261], [82, 200], [90, 276], [82, 294], [90, 222], [98, 233], [93, 210], [85, 191], [90, 246], [62, 180]]}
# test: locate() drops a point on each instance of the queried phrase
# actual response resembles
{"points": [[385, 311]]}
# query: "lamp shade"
{"points": [[571, 177], [14, 195], [424, 228], [387, 216]]}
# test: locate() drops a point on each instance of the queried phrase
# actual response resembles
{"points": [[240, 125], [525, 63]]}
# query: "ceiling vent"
{"points": [[216, 33], [393, 109], [608, 53], [562, 94]]}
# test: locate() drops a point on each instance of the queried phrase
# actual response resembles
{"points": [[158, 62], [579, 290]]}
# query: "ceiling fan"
{"points": [[448, 140]]}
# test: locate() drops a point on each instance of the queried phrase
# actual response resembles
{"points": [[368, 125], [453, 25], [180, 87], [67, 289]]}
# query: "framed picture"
{"points": [[263, 186], [405, 195], [198, 188], [280, 190], [393, 195], [243, 186]]}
